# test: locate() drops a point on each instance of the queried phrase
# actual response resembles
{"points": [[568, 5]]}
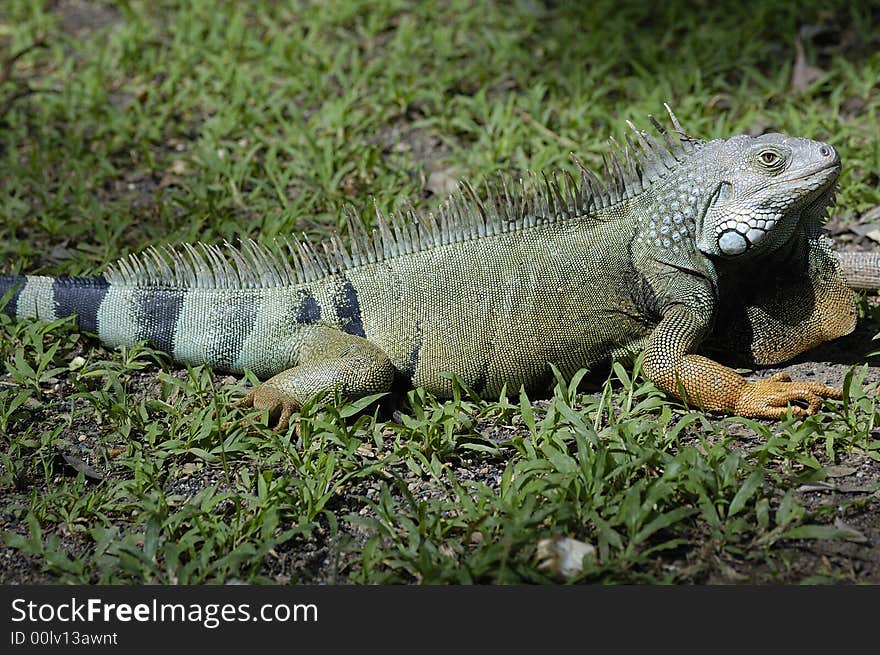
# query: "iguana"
{"points": [[685, 239]]}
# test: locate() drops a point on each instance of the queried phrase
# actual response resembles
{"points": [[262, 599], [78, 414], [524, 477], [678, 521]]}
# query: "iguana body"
{"points": [[570, 273]]}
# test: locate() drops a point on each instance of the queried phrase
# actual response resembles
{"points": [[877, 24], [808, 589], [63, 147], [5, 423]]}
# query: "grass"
{"points": [[132, 123]]}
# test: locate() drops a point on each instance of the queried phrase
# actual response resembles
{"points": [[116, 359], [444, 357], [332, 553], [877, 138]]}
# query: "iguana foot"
{"points": [[266, 397], [770, 398]]}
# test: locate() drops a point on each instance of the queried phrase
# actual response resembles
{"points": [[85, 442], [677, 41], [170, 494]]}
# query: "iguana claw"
{"points": [[771, 397], [264, 397]]}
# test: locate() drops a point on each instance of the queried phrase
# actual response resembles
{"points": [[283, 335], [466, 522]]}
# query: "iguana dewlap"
{"points": [[686, 238]]}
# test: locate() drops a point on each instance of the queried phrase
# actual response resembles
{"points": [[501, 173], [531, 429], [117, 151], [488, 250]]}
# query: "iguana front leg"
{"points": [[328, 357], [671, 364]]}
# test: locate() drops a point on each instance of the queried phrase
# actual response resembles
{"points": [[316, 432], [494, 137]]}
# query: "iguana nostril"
{"points": [[826, 151]]}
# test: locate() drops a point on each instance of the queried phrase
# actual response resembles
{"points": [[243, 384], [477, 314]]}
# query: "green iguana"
{"points": [[685, 239]]}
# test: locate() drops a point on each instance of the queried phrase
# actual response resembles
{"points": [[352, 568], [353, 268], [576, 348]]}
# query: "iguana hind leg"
{"points": [[329, 357], [670, 363]]}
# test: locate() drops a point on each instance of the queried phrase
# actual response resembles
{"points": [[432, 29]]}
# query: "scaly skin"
{"points": [[861, 270], [717, 238]]}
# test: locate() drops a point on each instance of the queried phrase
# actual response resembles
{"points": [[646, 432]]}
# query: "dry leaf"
{"points": [[729, 572], [817, 486], [864, 227], [79, 466], [803, 74], [61, 252], [857, 488], [721, 102], [871, 215], [443, 182], [839, 471], [852, 533]]}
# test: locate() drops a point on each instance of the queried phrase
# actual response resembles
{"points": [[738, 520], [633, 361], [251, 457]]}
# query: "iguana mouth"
{"points": [[817, 173]]}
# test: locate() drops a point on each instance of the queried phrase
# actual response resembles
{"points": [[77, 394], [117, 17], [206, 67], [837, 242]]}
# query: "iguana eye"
{"points": [[770, 159]]}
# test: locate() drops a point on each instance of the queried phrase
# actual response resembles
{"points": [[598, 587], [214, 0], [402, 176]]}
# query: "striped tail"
{"points": [[861, 270], [37, 296], [227, 329]]}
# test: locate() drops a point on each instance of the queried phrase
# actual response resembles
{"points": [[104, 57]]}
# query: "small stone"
{"points": [[563, 557], [178, 167]]}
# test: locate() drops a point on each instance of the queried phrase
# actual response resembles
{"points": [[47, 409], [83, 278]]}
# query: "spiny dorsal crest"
{"points": [[508, 205]]}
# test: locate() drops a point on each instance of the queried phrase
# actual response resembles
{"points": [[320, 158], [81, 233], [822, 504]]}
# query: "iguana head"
{"points": [[760, 190]]}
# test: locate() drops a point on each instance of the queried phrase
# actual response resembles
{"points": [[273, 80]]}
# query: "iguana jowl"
{"points": [[685, 239]]}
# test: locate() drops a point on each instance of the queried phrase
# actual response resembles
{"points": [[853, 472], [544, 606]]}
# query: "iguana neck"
{"points": [[667, 219]]}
